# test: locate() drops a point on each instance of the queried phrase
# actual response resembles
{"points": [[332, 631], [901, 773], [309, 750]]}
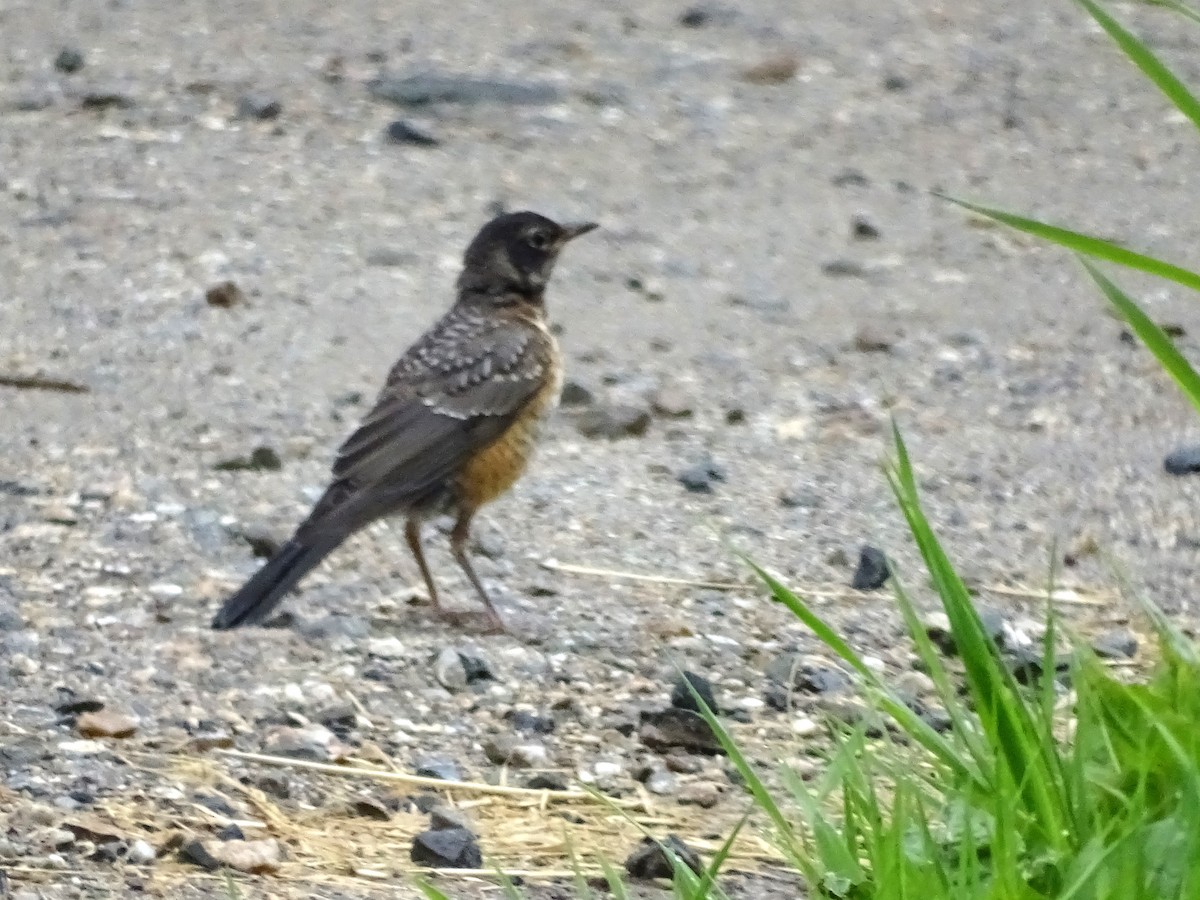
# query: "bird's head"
{"points": [[514, 254]]}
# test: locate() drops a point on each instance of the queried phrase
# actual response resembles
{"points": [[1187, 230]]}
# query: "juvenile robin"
{"points": [[455, 423]]}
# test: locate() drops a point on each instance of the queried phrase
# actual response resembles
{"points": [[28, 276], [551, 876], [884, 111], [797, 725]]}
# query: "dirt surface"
{"points": [[773, 279]]}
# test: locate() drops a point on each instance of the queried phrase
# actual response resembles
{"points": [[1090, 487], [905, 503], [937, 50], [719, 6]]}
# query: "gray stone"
{"points": [[650, 860], [1183, 461], [424, 89], [402, 131], [1121, 643], [258, 105], [614, 421], [451, 848], [449, 671]]}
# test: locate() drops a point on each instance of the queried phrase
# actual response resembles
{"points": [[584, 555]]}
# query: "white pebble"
{"points": [[293, 693], [141, 853], [805, 727], [82, 748], [751, 703], [386, 648], [607, 769]]}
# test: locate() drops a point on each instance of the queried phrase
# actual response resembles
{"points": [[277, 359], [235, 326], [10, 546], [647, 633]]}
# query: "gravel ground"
{"points": [[773, 279]]}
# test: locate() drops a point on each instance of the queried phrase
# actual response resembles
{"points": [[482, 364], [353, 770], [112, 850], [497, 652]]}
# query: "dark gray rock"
{"points": [[682, 698], [1028, 665], [796, 672], [447, 818], [863, 229], [1121, 643], [258, 105], [450, 848], [261, 459], [439, 767], [370, 808], [106, 97], [844, 268], [678, 729], [700, 477], [575, 394], [872, 572], [195, 853], [547, 781], [650, 860], [851, 178], [530, 723], [937, 628], [424, 89], [69, 60], [404, 132], [1183, 461]]}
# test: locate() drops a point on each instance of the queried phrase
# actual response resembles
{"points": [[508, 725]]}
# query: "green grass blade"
{"points": [[1151, 335], [1163, 78], [1177, 7], [801, 611], [1085, 244], [1032, 763], [909, 721], [430, 892], [616, 884], [709, 880], [788, 838]]}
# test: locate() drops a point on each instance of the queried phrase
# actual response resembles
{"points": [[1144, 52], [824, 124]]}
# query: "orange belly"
{"points": [[495, 469]]}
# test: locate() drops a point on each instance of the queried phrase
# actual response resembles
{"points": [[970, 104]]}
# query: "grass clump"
{"points": [[1031, 793]]}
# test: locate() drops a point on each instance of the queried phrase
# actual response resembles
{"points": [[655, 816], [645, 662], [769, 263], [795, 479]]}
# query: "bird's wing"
{"points": [[454, 392]]}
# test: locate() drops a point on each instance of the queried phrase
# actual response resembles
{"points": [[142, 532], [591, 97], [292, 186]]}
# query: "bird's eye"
{"points": [[538, 240]]}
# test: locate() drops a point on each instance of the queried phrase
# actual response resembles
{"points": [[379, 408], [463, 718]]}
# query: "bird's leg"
{"points": [[412, 534], [458, 546]]}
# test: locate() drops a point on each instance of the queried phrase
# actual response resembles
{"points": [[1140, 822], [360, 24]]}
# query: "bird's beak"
{"points": [[575, 229]]}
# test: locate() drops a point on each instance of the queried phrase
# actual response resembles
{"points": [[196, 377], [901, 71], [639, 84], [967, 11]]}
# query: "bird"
{"points": [[453, 426]]}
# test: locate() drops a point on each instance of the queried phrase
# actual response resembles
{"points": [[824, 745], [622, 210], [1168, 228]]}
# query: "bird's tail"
{"points": [[259, 596]]}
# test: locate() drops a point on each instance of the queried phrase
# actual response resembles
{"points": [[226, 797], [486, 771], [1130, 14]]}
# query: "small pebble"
{"points": [[606, 769], [872, 572], [105, 724], [387, 648], [613, 421], [402, 131], [683, 698], [700, 477], [649, 861], [1183, 461], [141, 853], [547, 781], [258, 105], [863, 228], [225, 295], [439, 767], [1118, 644], [576, 394], [69, 60], [450, 672], [452, 848], [805, 727]]}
